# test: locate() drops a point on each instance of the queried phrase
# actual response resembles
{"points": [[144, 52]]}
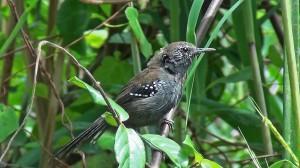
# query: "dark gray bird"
{"points": [[150, 95]]}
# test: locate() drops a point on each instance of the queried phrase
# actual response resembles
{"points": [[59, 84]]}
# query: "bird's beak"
{"points": [[201, 50]]}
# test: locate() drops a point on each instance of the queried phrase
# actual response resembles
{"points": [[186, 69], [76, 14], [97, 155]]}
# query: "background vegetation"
{"points": [[257, 56]]}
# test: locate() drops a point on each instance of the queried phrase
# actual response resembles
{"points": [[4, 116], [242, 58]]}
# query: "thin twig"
{"points": [[24, 46], [28, 111], [257, 157], [77, 64], [44, 71], [98, 2], [20, 70], [217, 148], [97, 27], [42, 68]]}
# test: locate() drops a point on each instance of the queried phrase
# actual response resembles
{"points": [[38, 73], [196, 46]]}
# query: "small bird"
{"points": [[150, 95]]}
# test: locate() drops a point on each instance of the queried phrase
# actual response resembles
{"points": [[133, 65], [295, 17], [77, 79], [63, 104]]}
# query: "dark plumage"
{"points": [[151, 94]]}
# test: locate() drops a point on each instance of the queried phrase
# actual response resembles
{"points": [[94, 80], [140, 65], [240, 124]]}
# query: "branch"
{"points": [[165, 129], [207, 19]]}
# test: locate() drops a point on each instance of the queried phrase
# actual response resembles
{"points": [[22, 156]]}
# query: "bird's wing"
{"points": [[142, 86]]}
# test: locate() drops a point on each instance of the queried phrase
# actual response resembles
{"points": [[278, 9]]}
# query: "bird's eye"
{"points": [[185, 49], [165, 58]]}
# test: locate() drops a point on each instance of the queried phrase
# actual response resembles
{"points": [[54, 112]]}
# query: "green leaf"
{"points": [[242, 75], [109, 119], [168, 146], [192, 21], [112, 66], [129, 148], [209, 164], [17, 28], [188, 146], [42, 90], [72, 21], [8, 121], [283, 163], [98, 99], [191, 37], [145, 46], [96, 38], [213, 35], [275, 57]]}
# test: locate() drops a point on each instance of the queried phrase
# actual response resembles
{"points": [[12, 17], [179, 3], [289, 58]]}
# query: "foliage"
{"points": [[215, 102]]}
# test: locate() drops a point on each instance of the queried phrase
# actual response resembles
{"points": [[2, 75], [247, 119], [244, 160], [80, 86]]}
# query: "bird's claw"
{"points": [[169, 122]]}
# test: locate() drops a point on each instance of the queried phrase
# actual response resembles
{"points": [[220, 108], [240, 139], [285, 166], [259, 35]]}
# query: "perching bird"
{"points": [[150, 95]]}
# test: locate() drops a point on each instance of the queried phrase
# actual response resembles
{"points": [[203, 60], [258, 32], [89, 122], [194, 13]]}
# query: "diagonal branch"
{"points": [[207, 19]]}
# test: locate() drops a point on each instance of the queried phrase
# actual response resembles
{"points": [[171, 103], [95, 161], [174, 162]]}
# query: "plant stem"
{"points": [[250, 38], [135, 54], [292, 68]]}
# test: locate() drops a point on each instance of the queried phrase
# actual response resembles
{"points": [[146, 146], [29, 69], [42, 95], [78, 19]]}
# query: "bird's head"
{"points": [[177, 57]]}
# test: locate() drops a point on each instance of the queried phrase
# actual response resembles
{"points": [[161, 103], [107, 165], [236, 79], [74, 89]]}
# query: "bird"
{"points": [[148, 96]]}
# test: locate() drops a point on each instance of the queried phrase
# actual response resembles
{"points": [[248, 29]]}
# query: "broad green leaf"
{"points": [[98, 99], [145, 46], [283, 163], [8, 121], [188, 145], [72, 21], [242, 75], [120, 38], [96, 38], [209, 164], [129, 148], [168, 146], [112, 66]]}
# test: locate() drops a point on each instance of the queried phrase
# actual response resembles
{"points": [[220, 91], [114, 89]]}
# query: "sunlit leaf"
{"points": [[209, 164], [96, 38], [188, 145], [98, 99], [168, 146], [129, 148], [145, 46]]}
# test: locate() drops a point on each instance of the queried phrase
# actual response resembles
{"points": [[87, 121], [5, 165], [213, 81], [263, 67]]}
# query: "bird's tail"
{"points": [[91, 134]]}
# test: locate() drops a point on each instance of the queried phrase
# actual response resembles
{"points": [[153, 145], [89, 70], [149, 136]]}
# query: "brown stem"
{"points": [[7, 62], [52, 102], [165, 129], [207, 19], [275, 21]]}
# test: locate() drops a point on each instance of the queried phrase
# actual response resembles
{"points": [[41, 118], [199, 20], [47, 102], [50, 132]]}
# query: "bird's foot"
{"points": [[169, 122]]}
